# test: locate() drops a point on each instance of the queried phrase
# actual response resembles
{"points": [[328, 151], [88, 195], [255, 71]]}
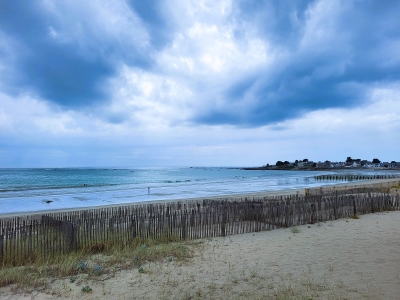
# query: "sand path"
{"points": [[343, 259]]}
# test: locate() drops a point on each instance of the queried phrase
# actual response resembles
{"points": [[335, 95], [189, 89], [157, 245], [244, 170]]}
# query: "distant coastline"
{"points": [[350, 164], [318, 169]]}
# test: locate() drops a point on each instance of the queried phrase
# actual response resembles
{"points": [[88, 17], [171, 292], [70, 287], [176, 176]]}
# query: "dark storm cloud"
{"points": [[153, 15], [331, 72], [68, 71], [278, 21], [320, 54]]}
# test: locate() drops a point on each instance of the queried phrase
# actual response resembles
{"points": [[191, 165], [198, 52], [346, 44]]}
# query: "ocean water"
{"points": [[29, 190]]}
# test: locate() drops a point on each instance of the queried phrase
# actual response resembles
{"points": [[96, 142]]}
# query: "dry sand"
{"points": [[343, 259]]}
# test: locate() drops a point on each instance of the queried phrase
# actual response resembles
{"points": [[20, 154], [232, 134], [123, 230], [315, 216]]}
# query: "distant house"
{"points": [[301, 164], [337, 164], [324, 165]]}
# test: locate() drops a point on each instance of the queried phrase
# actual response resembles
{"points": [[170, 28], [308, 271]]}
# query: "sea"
{"points": [[32, 190]]}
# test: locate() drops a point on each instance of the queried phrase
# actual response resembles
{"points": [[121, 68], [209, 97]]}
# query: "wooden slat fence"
{"points": [[22, 238], [351, 177], [381, 187]]}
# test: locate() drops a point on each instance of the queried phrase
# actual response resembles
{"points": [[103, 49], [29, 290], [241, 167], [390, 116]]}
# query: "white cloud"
{"points": [[150, 100], [147, 117], [213, 50], [325, 134], [29, 115]]}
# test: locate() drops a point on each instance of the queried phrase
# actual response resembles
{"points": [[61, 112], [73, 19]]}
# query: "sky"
{"points": [[128, 83]]}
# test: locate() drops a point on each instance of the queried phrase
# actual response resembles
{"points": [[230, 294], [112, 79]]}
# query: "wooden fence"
{"points": [[351, 177], [380, 187], [22, 238]]}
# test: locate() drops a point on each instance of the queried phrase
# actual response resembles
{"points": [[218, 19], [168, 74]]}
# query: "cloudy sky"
{"points": [[130, 83]]}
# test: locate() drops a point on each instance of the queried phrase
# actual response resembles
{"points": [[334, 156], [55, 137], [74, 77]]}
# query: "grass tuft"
{"points": [[86, 289], [295, 229], [104, 260]]}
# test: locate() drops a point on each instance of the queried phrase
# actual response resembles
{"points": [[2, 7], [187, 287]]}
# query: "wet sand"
{"points": [[245, 195]]}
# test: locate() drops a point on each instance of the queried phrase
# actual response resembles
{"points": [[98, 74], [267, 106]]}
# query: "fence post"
{"points": [[183, 224], [335, 204], [134, 234], [287, 214], [73, 236], [313, 213], [1, 247], [223, 233], [372, 202]]}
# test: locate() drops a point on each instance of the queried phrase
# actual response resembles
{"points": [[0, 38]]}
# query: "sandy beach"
{"points": [[343, 259], [301, 191]]}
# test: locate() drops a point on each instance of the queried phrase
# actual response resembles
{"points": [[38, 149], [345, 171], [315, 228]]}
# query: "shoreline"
{"points": [[284, 192], [350, 258]]}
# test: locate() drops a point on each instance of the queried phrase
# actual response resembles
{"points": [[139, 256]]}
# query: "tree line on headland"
{"points": [[306, 164]]}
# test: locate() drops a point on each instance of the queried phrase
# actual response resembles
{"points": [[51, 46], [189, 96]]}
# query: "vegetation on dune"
{"points": [[92, 261]]}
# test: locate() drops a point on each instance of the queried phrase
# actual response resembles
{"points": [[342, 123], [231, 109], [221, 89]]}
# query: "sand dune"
{"points": [[343, 259]]}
